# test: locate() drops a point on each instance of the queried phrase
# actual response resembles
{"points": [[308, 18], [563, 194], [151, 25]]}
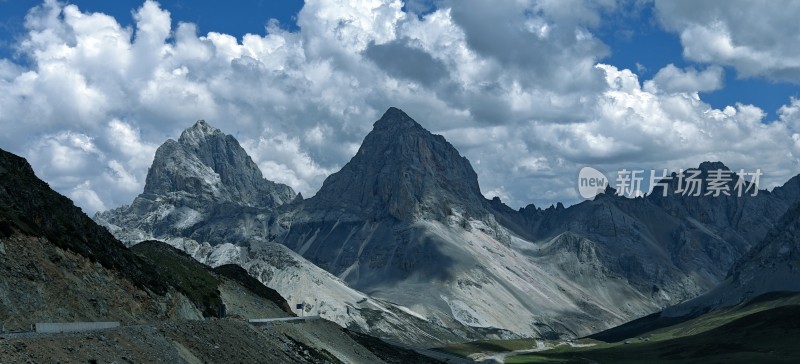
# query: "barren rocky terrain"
{"points": [[200, 341]]}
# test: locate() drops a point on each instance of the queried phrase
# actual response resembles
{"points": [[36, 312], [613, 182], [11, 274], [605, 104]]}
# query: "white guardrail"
{"points": [[57, 327]]}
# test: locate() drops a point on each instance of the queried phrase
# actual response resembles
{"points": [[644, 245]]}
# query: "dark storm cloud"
{"points": [[544, 45], [399, 59]]}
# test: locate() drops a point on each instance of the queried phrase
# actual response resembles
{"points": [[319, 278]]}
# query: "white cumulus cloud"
{"points": [[673, 79], [757, 38], [518, 87]]}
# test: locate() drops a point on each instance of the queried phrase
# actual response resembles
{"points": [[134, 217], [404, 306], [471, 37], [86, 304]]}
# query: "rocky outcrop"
{"points": [[771, 266], [211, 166], [203, 176], [361, 224], [776, 256], [404, 172]]}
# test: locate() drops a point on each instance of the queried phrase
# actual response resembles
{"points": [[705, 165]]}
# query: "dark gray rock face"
{"points": [[671, 248], [772, 265], [779, 250], [205, 176], [360, 225], [405, 172], [212, 166]]}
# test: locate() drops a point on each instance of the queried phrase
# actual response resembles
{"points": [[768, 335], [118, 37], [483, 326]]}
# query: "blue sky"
{"points": [[249, 16], [639, 38], [529, 91]]}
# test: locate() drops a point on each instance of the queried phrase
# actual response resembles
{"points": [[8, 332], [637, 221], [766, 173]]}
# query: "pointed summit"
{"points": [[395, 119], [404, 171], [198, 132], [212, 166], [712, 166], [692, 182]]}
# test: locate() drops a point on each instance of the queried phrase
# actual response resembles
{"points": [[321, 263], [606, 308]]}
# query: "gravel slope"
{"points": [[211, 341]]}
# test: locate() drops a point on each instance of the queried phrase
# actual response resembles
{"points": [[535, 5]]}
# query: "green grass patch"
{"points": [[488, 346], [765, 329], [767, 336]]}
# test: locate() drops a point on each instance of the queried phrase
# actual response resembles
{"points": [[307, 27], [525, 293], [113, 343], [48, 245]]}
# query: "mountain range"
{"points": [[58, 266], [750, 317], [400, 243]]}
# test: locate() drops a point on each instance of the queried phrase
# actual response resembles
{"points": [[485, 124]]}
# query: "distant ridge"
{"points": [[404, 222]]}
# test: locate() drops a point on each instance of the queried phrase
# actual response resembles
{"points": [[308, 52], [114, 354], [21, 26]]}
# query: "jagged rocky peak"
{"points": [[404, 171], [395, 119], [703, 172], [211, 165], [712, 166], [198, 133]]}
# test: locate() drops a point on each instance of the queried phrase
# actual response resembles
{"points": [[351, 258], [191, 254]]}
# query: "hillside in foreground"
{"points": [[57, 265]]}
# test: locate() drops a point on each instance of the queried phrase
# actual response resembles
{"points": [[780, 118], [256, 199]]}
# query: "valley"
{"points": [[762, 331]]}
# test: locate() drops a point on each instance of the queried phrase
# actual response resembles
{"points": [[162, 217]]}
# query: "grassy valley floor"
{"points": [[765, 330]]}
